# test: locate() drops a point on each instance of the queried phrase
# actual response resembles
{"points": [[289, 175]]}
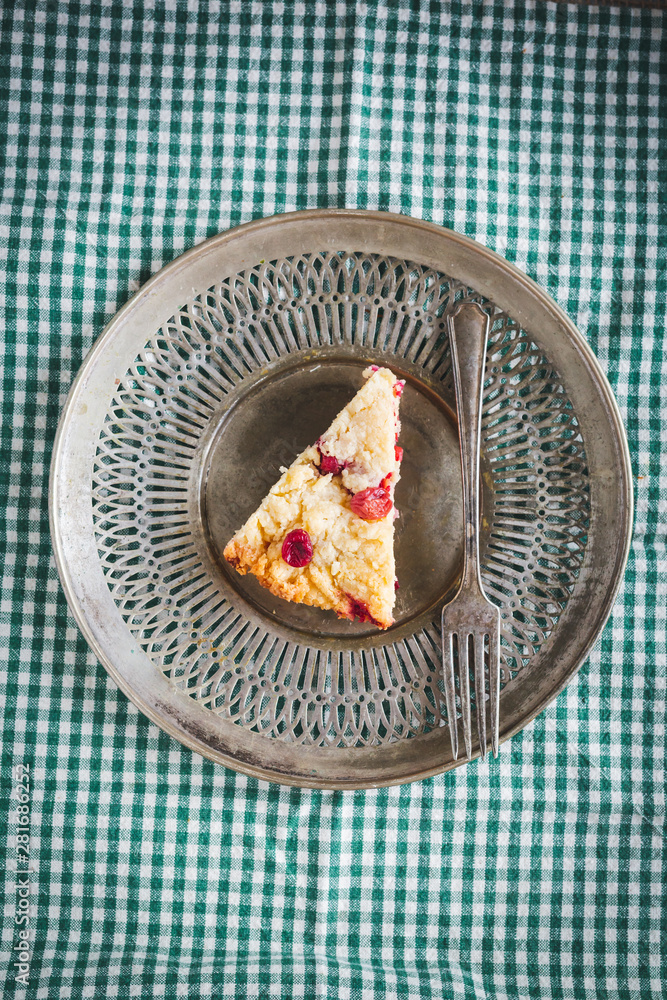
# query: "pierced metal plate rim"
{"points": [[180, 265]]}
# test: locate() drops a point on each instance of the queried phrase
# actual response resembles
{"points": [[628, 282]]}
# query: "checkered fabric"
{"points": [[132, 133]]}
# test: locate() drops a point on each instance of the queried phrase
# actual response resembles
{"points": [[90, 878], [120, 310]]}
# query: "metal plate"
{"points": [[220, 370]]}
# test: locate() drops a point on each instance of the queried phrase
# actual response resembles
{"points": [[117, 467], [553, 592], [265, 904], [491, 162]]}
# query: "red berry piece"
{"points": [[398, 452], [329, 463], [359, 610], [297, 548], [372, 504], [398, 388]]}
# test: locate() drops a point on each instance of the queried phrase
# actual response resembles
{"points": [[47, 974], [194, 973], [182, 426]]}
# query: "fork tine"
{"points": [[480, 691], [494, 687], [450, 691], [464, 686]]}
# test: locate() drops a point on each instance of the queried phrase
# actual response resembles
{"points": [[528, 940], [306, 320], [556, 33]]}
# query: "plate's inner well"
{"points": [[272, 424], [236, 384]]}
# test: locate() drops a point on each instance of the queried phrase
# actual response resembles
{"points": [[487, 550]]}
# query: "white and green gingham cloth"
{"points": [[130, 133]]}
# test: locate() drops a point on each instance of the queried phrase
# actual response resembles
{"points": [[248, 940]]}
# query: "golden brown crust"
{"points": [[245, 559], [241, 557]]}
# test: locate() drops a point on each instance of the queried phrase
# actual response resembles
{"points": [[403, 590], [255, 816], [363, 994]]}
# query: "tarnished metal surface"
{"points": [[220, 370], [470, 622]]}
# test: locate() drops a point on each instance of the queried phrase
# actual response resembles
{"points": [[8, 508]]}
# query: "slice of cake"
{"points": [[324, 535]]}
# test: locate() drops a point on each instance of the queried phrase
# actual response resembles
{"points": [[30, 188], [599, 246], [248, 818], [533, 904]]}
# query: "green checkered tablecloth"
{"points": [[132, 133]]}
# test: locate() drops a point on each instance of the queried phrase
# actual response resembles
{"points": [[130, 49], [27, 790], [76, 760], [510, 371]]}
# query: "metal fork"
{"points": [[470, 618]]}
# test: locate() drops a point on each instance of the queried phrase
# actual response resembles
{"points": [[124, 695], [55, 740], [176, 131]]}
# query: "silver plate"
{"points": [[220, 370]]}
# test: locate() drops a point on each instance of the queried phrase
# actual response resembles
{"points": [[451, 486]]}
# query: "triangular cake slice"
{"points": [[324, 535]]}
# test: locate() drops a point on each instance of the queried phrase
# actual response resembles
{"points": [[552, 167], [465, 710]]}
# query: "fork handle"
{"points": [[468, 334]]}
